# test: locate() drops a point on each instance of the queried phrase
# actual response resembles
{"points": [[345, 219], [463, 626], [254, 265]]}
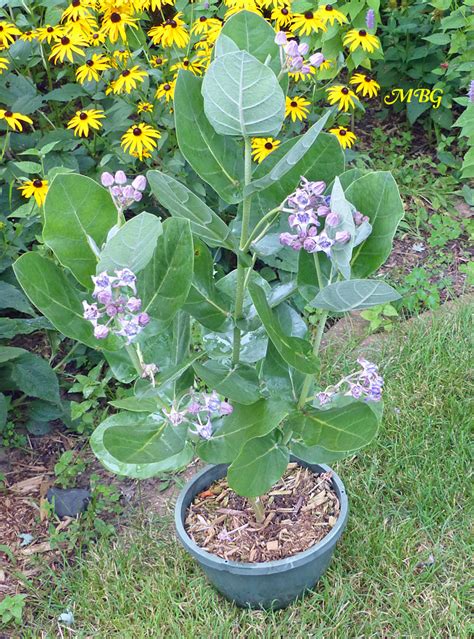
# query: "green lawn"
{"points": [[409, 497]]}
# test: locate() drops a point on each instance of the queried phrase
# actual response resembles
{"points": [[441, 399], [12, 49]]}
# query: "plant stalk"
{"points": [[258, 509]]}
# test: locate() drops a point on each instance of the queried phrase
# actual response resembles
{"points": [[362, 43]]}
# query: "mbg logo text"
{"points": [[421, 95]]}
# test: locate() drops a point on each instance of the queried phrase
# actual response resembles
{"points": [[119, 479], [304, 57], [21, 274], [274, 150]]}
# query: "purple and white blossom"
{"points": [[292, 55], [119, 312], [365, 383], [470, 94], [370, 19], [199, 411], [124, 194]]}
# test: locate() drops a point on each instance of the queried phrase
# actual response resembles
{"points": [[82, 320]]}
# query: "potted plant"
{"points": [[245, 394]]}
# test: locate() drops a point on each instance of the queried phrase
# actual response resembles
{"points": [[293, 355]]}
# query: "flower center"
{"points": [[136, 131], [185, 63], [329, 7], [1, 28], [342, 132], [83, 116], [294, 104], [65, 41], [368, 78], [202, 19], [284, 11], [308, 15], [50, 29], [76, 3], [90, 63], [172, 23], [115, 17], [125, 73], [159, 60], [8, 114], [38, 184], [362, 33], [166, 87], [345, 90], [268, 145]]}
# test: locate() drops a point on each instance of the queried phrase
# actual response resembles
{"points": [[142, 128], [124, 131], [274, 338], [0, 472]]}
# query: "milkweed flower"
{"points": [[470, 94], [296, 108], [123, 194], [198, 410], [365, 84], [365, 383], [35, 188], [370, 19], [342, 96], [14, 120], [140, 139], [86, 120], [344, 135], [360, 38], [262, 147], [91, 68], [8, 32]]}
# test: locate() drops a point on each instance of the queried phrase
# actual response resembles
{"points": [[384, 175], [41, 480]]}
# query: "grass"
{"points": [[400, 569]]}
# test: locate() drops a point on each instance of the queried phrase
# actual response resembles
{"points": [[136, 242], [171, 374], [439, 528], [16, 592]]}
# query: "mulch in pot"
{"points": [[300, 510]]}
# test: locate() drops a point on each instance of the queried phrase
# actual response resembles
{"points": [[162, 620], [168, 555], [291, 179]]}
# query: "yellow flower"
{"points": [[195, 66], [326, 64], [120, 55], [8, 31], [78, 9], [239, 5], [66, 47], [97, 37], [83, 120], [14, 120], [342, 95], [140, 139], [296, 108], [346, 138], [282, 16], [114, 24], [171, 32], [28, 36], [298, 75], [156, 61], [49, 33], [90, 69], [306, 23], [144, 107], [166, 90], [262, 147], [4, 62], [206, 25], [330, 14], [365, 84], [35, 188], [360, 38], [81, 28], [156, 5], [128, 79]]}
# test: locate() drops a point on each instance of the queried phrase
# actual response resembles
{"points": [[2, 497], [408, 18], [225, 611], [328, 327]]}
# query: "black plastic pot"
{"points": [[271, 584]]}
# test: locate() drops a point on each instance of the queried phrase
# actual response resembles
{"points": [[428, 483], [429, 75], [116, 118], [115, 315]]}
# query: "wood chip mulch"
{"points": [[301, 509]]}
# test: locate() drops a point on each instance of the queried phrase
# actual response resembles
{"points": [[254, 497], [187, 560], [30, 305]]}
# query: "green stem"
{"points": [[258, 509], [270, 215], [247, 200], [66, 357]]}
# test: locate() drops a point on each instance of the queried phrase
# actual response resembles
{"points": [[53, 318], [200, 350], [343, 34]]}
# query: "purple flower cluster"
{"points": [[122, 193], [293, 53], [370, 19], [363, 384], [119, 309], [198, 412], [470, 94]]}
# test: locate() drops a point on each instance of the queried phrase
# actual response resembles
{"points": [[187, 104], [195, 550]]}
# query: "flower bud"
{"points": [[143, 319], [120, 177], [303, 49], [116, 191], [291, 49], [226, 408], [101, 332], [139, 183], [280, 38], [342, 237], [111, 310], [107, 179], [134, 304], [104, 297], [137, 196], [310, 245], [322, 211], [128, 192], [332, 219], [316, 60]]}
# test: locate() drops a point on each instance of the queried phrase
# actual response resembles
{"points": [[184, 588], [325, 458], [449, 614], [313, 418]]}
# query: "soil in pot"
{"points": [[300, 510]]}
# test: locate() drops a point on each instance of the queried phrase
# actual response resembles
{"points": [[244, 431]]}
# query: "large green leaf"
{"points": [[3, 411], [7, 353], [341, 253], [216, 159], [135, 438], [32, 375], [279, 379], [132, 246], [13, 298], [260, 464], [349, 427], [375, 195], [291, 158], [180, 202], [164, 285], [295, 351], [238, 382], [244, 423], [9, 326], [76, 208], [354, 295], [242, 96], [205, 303], [315, 454], [252, 33], [48, 288], [136, 471]]}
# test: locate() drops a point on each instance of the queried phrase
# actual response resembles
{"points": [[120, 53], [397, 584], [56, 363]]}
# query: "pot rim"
{"points": [[277, 565]]}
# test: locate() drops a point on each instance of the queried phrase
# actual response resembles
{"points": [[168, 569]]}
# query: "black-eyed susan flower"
{"points": [[66, 47], [78, 9], [329, 14], [361, 38], [195, 66], [114, 25], [144, 107], [241, 5], [81, 28], [296, 108], [28, 36], [8, 32], [172, 32], [84, 121], [128, 80], [365, 84], [14, 120], [282, 16], [35, 188], [166, 91], [157, 61], [120, 56], [262, 147], [4, 62], [91, 68], [346, 138], [342, 96], [140, 140], [204, 25], [308, 22], [302, 75], [49, 33]]}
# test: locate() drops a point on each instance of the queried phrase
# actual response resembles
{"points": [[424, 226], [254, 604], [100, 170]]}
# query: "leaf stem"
{"points": [[258, 509], [263, 222]]}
